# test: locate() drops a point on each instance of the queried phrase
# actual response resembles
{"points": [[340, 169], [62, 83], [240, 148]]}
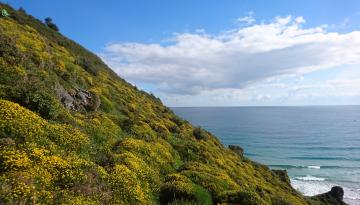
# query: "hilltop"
{"points": [[73, 132]]}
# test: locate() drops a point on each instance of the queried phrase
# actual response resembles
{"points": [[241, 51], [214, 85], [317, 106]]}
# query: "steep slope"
{"points": [[73, 132]]}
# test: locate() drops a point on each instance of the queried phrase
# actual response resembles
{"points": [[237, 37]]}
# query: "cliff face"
{"points": [[73, 132]]}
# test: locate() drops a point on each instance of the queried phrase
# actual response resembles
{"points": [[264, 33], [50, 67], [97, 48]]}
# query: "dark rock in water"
{"points": [[237, 149], [337, 192], [282, 174], [78, 99], [335, 196]]}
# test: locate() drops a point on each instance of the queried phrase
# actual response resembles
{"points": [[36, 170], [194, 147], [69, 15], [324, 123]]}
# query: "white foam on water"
{"points": [[315, 187], [310, 188], [313, 167], [310, 178]]}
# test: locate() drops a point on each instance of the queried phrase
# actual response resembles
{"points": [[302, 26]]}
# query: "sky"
{"points": [[221, 53]]}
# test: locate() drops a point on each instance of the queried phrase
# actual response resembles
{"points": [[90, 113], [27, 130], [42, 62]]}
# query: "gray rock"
{"points": [[78, 99]]}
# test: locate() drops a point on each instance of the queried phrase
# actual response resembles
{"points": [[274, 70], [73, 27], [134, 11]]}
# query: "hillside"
{"points": [[73, 132]]}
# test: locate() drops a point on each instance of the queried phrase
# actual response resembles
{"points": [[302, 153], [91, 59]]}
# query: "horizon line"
{"points": [[233, 106]]}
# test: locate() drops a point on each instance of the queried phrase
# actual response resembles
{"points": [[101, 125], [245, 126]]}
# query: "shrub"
{"points": [[12, 159], [22, 10], [8, 50], [37, 98], [178, 187], [19, 123], [14, 191], [240, 197], [199, 133], [280, 201], [174, 129], [187, 150], [50, 24], [177, 120], [159, 128], [282, 174], [149, 177], [237, 149], [127, 187], [67, 136], [210, 177], [87, 65], [157, 154]]}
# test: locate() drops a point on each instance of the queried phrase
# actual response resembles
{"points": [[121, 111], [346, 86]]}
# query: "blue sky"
{"points": [[212, 53], [96, 23]]}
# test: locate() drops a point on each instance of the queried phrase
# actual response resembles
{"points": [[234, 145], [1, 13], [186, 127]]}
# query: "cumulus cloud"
{"points": [[195, 63]]}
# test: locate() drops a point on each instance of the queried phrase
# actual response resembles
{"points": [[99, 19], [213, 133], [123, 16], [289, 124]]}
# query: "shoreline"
{"points": [[312, 186]]}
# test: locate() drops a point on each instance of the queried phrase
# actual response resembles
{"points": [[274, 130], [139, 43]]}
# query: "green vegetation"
{"points": [[50, 24], [73, 132]]}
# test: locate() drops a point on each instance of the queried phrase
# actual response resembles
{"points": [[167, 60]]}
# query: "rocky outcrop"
{"points": [[335, 196], [337, 193], [78, 99]]}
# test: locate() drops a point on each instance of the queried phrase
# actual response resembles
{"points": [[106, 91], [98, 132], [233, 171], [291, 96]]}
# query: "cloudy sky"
{"points": [[210, 54]]}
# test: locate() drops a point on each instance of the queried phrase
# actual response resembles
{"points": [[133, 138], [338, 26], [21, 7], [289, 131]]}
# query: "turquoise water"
{"points": [[319, 146]]}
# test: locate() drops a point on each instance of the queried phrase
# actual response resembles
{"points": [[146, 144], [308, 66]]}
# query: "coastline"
{"points": [[293, 139], [310, 185], [316, 186]]}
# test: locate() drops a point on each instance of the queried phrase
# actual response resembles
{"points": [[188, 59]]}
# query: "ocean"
{"points": [[319, 146]]}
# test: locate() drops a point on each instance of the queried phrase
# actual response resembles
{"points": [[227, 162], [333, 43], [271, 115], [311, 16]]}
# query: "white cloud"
{"points": [[300, 20], [248, 19], [198, 63]]}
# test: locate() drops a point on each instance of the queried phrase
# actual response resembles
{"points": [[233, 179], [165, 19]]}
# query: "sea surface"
{"points": [[319, 146]]}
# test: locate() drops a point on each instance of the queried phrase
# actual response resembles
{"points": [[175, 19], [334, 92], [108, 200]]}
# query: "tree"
{"points": [[50, 24], [21, 9]]}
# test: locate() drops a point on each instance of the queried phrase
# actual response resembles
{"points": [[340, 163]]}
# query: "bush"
{"points": [[237, 149], [177, 120], [37, 98], [20, 124], [127, 187], [280, 201], [199, 133], [179, 188], [282, 174], [22, 10], [87, 65], [240, 197], [8, 50], [50, 24], [157, 154], [210, 177], [174, 129], [68, 137]]}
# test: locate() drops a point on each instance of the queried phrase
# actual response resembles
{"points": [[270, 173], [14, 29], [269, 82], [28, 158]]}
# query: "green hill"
{"points": [[73, 132]]}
